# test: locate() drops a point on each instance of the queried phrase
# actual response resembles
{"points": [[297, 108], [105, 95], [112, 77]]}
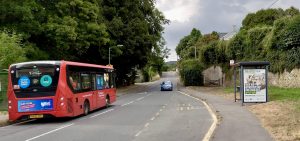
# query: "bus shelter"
{"points": [[253, 79]]}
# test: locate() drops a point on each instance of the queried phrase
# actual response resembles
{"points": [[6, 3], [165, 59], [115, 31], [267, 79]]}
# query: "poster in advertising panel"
{"points": [[255, 85]]}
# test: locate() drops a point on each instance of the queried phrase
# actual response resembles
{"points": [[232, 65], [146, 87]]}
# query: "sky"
{"points": [[209, 15]]}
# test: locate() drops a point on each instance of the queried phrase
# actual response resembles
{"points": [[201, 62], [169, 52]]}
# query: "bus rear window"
{"points": [[35, 80]]}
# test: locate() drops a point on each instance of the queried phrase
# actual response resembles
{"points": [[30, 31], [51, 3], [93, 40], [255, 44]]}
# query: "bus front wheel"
{"points": [[86, 108], [107, 101]]}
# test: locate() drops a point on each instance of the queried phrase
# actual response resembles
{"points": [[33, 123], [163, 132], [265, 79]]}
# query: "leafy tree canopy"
{"points": [[11, 50], [85, 30]]}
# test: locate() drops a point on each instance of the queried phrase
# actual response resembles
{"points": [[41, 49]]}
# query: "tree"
{"points": [[236, 45], [187, 43], [11, 50], [139, 32], [265, 17]]}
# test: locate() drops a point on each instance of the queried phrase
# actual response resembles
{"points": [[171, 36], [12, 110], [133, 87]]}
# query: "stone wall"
{"points": [[285, 79], [213, 76]]}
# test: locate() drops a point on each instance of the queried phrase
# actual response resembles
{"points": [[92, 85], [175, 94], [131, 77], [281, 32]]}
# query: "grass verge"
{"points": [[280, 116]]}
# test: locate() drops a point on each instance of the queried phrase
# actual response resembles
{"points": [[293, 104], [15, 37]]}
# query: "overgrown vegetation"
{"points": [[191, 72], [3, 90], [268, 35], [10, 49], [84, 30]]}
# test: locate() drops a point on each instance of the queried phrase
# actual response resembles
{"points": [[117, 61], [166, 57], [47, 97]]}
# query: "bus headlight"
{"points": [[9, 102], [62, 98], [9, 107], [61, 104]]}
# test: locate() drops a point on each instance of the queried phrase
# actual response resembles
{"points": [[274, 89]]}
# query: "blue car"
{"points": [[166, 85]]}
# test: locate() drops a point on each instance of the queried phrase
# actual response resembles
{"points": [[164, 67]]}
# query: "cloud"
{"points": [[209, 15], [178, 10]]}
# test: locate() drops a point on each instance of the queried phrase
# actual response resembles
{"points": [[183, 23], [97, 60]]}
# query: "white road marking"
{"points": [[140, 98], [102, 113], [142, 93], [138, 133], [213, 126], [62, 127], [127, 103], [148, 123]]}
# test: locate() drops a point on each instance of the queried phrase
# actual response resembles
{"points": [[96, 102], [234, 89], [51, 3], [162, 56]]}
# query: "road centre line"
{"points": [[213, 126], [140, 98], [102, 113], [138, 133], [142, 93], [127, 103], [62, 127], [146, 125]]}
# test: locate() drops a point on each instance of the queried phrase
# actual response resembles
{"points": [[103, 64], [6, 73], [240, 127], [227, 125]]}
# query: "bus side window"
{"points": [[112, 80], [99, 81], [85, 81], [74, 80], [106, 80]]}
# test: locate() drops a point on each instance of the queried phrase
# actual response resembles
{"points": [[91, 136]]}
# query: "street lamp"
{"points": [[109, 53]]}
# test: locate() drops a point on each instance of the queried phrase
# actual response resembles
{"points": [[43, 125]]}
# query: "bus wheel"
{"points": [[86, 108], [107, 101]]}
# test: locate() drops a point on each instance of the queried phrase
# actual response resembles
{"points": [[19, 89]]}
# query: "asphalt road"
{"points": [[144, 114]]}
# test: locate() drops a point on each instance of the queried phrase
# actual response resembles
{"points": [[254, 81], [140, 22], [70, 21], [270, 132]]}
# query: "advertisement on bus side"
{"points": [[35, 105]]}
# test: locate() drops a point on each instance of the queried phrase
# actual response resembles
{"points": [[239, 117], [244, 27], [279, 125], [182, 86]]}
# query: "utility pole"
{"points": [[109, 56]]}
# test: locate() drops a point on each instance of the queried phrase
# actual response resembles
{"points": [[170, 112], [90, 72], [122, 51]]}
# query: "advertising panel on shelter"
{"points": [[255, 85]]}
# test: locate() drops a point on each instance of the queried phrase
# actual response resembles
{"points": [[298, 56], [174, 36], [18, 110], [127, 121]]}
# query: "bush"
{"points": [[191, 72], [11, 50], [292, 34]]}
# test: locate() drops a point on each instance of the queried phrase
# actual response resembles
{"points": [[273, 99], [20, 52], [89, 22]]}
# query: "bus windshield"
{"points": [[34, 80]]}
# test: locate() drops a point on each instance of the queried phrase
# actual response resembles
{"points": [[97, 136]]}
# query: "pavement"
{"points": [[3, 118], [236, 123]]}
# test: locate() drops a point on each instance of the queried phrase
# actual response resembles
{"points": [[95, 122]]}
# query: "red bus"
{"points": [[41, 89]]}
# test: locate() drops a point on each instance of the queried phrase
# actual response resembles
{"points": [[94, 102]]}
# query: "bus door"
{"points": [[100, 94]]}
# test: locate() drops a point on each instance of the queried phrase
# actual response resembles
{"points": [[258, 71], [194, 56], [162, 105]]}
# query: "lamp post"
{"points": [[109, 53]]}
